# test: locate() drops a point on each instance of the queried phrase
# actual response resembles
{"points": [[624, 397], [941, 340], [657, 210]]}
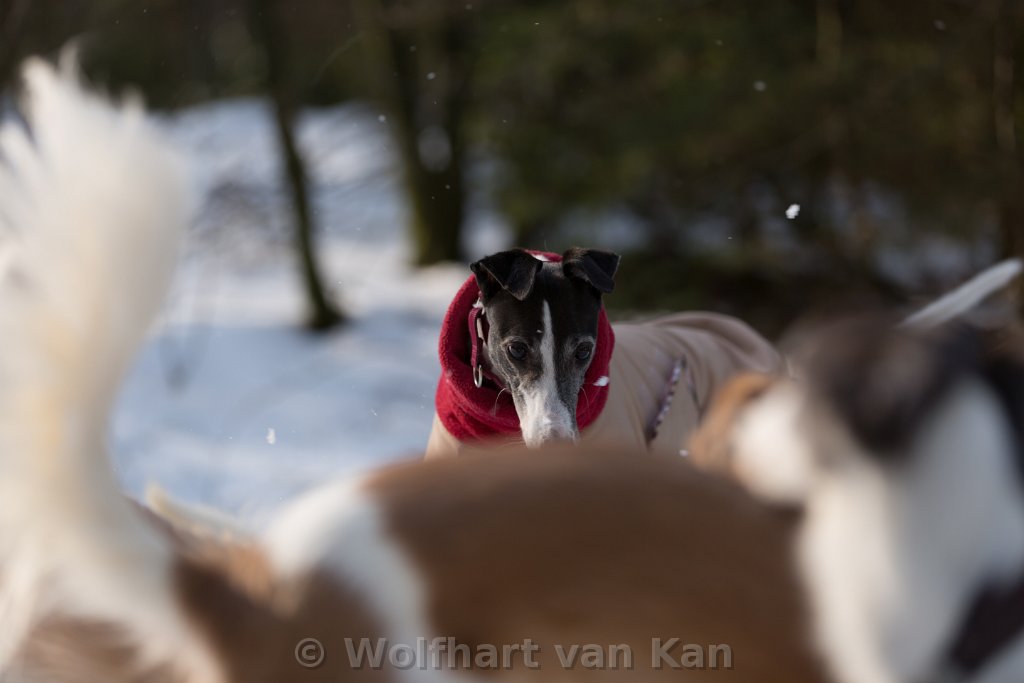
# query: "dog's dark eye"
{"points": [[517, 350], [583, 351]]}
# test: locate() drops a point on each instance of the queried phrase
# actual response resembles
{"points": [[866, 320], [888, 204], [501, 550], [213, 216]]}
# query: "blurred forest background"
{"points": [[759, 158]]}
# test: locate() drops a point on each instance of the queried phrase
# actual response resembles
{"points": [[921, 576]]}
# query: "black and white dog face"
{"points": [[543, 322]]}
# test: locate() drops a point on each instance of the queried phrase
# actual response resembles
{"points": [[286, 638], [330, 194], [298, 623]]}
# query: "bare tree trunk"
{"points": [[435, 187], [436, 193], [267, 25]]}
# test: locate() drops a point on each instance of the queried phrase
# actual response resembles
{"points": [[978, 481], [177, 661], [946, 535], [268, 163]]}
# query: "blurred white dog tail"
{"points": [[92, 206], [967, 296]]}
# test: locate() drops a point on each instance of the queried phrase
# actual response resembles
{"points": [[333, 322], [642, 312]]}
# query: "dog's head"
{"points": [[903, 448], [543, 323]]}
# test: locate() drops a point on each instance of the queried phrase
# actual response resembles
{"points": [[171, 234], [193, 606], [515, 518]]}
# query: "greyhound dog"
{"points": [[527, 353]]}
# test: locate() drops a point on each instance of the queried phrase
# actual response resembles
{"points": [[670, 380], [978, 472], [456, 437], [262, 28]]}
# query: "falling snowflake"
{"points": [[760, 86], [271, 436], [431, 76], [382, 118], [793, 211]]}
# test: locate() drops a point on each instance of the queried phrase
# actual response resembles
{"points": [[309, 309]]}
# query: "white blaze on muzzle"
{"points": [[543, 416]]}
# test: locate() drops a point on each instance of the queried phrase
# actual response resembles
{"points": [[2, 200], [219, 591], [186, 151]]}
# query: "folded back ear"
{"points": [[711, 446], [596, 268], [513, 271]]}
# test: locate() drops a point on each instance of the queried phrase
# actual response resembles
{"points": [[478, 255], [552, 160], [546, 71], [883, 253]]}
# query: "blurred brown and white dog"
{"points": [[904, 446], [553, 548]]}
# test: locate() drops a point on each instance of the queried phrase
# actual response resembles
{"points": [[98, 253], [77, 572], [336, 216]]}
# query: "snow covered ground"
{"points": [[232, 404]]}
